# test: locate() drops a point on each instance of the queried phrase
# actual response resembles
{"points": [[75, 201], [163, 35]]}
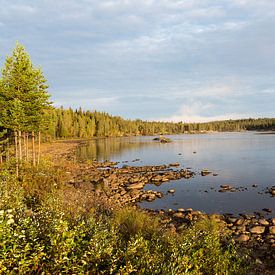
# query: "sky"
{"points": [[170, 60]]}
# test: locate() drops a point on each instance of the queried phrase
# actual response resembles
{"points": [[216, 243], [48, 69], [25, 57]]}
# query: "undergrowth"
{"points": [[49, 226]]}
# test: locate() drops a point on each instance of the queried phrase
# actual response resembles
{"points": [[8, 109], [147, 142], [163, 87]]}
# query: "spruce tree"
{"points": [[23, 95]]}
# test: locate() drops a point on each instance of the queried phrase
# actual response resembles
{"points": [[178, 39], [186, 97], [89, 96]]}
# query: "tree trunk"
{"points": [[8, 151], [16, 153], [27, 146], [20, 145], [39, 147], [33, 150], [24, 146]]}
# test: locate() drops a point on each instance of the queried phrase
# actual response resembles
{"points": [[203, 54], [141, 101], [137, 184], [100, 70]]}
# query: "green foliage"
{"points": [[132, 222], [23, 93], [49, 237], [87, 124]]}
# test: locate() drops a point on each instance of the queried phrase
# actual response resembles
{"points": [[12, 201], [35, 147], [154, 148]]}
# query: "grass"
{"points": [[51, 227]]}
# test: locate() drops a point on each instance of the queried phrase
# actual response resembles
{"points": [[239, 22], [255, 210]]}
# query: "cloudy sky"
{"points": [[190, 60]]}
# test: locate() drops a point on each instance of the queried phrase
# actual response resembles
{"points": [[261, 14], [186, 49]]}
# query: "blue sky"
{"points": [[190, 60]]}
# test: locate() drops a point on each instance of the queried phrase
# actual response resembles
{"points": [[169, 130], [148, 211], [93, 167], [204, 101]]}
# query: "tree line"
{"points": [[69, 123]]}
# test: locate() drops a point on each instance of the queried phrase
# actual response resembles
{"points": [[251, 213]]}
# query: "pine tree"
{"points": [[25, 97]]}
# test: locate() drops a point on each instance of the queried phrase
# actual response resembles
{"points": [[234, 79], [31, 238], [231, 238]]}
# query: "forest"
{"points": [[68, 123]]}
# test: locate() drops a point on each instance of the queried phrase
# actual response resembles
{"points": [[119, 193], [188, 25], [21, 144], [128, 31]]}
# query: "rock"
{"points": [[176, 164], [150, 197], [159, 194], [272, 230], [239, 222], [138, 185], [241, 228], [215, 174], [205, 172], [178, 215], [254, 185], [171, 191], [225, 186], [242, 238], [263, 222], [232, 220], [267, 210], [181, 210], [162, 139], [273, 221], [257, 229], [157, 178]]}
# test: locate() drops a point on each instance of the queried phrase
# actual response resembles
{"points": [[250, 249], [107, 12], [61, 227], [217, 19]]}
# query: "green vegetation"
{"points": [[86, 124], [23, 101], [51, 227]]}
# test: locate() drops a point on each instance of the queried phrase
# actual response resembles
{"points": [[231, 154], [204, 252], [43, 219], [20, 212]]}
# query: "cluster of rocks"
{"points": [[126, 184], [252, 228]]}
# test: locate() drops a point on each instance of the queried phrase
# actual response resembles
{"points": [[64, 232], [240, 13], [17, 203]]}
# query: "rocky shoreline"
{"points": [[125, 186]]}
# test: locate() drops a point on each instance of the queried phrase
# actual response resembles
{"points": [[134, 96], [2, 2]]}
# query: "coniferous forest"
{"points": [[67, 123]]}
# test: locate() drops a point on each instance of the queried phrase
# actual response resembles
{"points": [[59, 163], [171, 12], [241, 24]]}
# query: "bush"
{"points": [[68, 230]]}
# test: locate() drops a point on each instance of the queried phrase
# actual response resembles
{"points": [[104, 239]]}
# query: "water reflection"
{"points": [[112, 148]]}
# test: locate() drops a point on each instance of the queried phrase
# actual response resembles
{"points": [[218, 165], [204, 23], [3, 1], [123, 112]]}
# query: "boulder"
{"points": [[242, 238], [171, 191], [272, 230], [138, 185], [257, 229], [178, 215], [263, 222]]}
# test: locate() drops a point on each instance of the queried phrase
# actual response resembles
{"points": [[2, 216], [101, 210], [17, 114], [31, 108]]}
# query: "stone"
{"points": [[176, 164], [267, 210], [138, 185], [273, 221], [181, 210], [232, 219], [257, 229], [239, 221], [242, 238], [226, 186], [178, 215], [205, 172], [272, 230], [171, 191], [263, 222]]}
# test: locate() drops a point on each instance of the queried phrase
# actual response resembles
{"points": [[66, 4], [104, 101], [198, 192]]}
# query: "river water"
{"points": [[240, 160]]}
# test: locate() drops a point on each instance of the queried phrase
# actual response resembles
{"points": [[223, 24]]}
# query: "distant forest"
{"points": [[68, 123]]}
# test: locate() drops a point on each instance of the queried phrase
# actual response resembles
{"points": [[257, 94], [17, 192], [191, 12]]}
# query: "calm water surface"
{"points": [[239, 159]]}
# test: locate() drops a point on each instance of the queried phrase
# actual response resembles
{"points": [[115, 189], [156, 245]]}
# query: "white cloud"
{"points": [[197, 112]]}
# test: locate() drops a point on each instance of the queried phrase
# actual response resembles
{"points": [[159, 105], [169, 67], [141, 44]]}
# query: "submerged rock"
{"points": [[205, 172]]}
